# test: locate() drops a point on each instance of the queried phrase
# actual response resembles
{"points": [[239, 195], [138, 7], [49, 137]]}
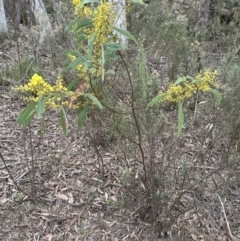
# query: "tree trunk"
{"points": [[120, 22], [42, 19], [3, 21], [17, 14]]}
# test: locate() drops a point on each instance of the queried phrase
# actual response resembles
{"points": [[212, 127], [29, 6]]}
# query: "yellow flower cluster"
{"points": [[202, 82], [75, 2], [55, 96], [35, 88], [206, 79], [103, 17], [103, 20], [176, 93], [85, 12], [81, 70], [128, 6]]}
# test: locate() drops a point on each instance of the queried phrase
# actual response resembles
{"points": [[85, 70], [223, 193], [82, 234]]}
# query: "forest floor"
{"points": [[73, 201], [77, 193]]}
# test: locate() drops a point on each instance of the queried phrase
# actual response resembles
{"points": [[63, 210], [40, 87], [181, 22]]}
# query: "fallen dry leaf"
{"points": [[61, 196], [48, 237], [70, 199]]}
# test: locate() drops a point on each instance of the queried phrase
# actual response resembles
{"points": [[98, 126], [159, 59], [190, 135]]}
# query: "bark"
{"points": [[205, 11], [58, 14], [120, 22], [42, 20], [3, 21], [17, 14]]}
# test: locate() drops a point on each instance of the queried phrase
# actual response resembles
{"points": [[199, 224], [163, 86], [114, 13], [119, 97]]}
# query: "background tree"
{"points": [[42, 19], [120, 22], [3, 21], [26, 12]]}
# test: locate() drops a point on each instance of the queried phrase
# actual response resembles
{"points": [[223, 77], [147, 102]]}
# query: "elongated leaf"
{"points": [[26, 112], [28, 119], [126, 34], [84, 24], [217, 94], [88, 1], [137, 1], [82, 116], [72, 84], [191, 78], [93, 99], [196, 81], [76, 62], [63, 120], [109, 56], [156, 99], [80, 38], [113, 47], [179, 80], [42, 125], [65, 69], [40, 107], [70, 25], [87, 64], [180, 117]]}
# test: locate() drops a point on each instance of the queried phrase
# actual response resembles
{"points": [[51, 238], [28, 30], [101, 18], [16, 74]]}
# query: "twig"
{"points": [[135, 118], [22, 175], [195, 108], [100, 158], [9, 173], [225, 216], [32, 179], [28, 166], [11, 164]]}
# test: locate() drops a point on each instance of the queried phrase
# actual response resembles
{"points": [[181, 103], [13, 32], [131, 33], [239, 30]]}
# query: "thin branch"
{"points": [[9, 173], [100, 158], [28, 166], [135, 118], [32, 179], [225, 216]]}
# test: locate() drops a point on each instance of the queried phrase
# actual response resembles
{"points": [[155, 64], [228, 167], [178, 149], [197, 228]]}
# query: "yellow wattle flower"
{"points": [[55, 96], [186, 89]]}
